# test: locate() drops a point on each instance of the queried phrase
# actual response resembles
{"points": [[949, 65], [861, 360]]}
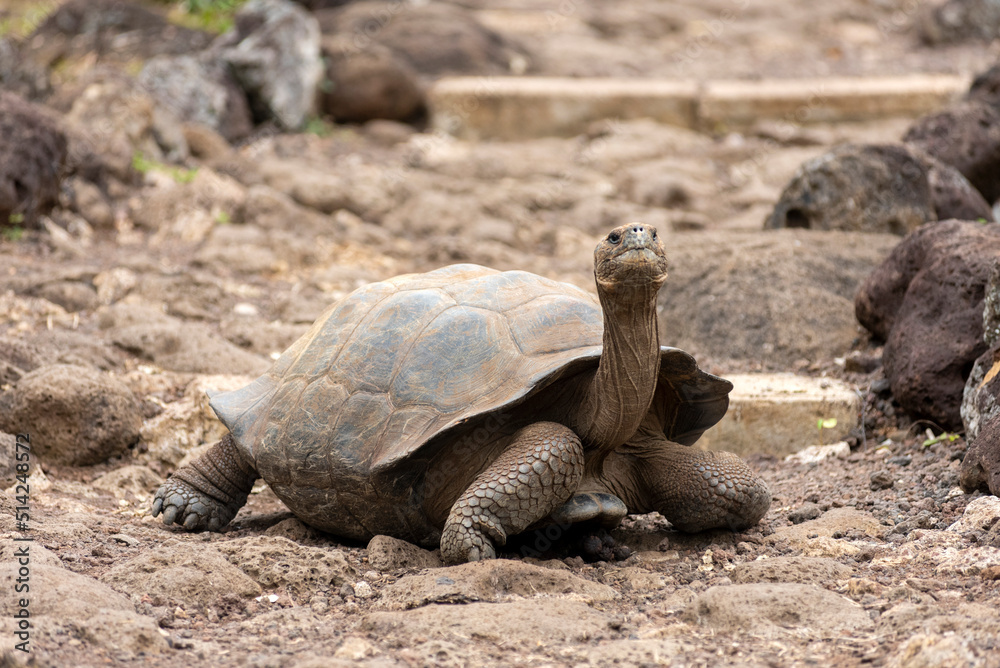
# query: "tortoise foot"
{"points": [[710, 490], [537, 473], [180, 503], [208, 493]]}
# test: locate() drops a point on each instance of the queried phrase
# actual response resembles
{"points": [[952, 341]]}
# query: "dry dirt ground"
{"points": [[872, 558]]}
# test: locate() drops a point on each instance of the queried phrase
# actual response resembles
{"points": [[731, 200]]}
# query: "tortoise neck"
{"points": [[621, 391], [636, 472], [619, 475]]}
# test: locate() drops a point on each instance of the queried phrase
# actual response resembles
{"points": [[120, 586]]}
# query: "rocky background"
{"points": [[184, 186]]}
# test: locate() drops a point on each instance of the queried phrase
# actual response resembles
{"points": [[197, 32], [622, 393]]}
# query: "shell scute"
{"points": [[464, 355], [554, 323], [503, 292], [335, 328], [378, 348]]}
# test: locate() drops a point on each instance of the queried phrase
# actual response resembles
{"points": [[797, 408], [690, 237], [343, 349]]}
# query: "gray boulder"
{"points": [[374, 83], [958, 21], [986, 87], [199, 90], [173, 573], [75, 415], [887, 188], [274, 53], [967, 137], [433, 38], [926, 302]]}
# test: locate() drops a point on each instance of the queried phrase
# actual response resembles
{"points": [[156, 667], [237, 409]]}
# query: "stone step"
{"points": [[776, 414], [514, 108], [740, 104]]}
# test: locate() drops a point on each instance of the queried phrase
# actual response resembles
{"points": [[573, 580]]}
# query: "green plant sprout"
{"points": [[144, 165], [211, 15], [825, 423], [319, 127], [943, 436], [13, 233]]}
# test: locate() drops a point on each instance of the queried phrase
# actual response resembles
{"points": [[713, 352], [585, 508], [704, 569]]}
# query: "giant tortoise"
{"points": [[466, 405]]}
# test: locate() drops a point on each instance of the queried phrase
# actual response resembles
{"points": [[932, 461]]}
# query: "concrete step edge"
{"points": [[524, 107]]}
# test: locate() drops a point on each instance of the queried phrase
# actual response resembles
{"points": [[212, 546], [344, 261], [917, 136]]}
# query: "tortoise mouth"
{"points": [[637, 256], [630, 265]]}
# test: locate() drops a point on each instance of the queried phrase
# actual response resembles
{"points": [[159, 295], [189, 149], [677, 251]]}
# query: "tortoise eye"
{"points": [[614, 237]]}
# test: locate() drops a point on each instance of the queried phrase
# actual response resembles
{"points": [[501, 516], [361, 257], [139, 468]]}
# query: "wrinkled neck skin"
{"points": [[618, 396], [631, 471]]}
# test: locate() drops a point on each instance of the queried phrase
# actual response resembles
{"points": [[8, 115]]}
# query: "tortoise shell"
{"points": [[399, 363]]}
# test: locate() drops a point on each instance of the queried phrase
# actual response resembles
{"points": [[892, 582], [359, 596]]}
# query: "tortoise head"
{"points": [[631, 255]]}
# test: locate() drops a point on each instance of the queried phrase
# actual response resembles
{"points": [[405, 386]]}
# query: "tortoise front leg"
{"points": [[537, 473], [208, 492], [698, 490]]}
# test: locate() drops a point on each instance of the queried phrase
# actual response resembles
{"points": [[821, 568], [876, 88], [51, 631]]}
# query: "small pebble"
{"points": [[363, 590], [881, 480], [808, 511]]}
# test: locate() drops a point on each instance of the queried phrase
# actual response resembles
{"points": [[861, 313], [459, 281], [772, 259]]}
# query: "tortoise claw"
{"points": [[182, 504]]}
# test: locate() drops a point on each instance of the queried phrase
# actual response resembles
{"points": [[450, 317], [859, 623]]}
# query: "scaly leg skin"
{"points": [[537, 473], [208, 492], [701, 489]]}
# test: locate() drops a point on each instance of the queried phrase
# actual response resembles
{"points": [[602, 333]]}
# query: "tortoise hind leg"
{"points": [[208, 492], [537, 473]]}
